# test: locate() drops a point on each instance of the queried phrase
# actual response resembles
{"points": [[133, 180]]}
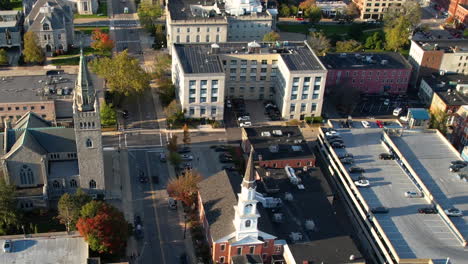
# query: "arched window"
{"points": [[248, 223], [26, 175], [89, 143], [92, 184], [56, 184], [248, 209], [73, 183], [45, 26]]}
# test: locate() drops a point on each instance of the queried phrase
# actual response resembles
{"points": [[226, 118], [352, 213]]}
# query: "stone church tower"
{"points": [[87, 121]]}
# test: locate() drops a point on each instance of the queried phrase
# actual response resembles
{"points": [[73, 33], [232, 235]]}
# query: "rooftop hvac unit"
{"points": [[296, 148], [295, 236], [292, 175], [384, 62], [309, 224], [273, 148], [277, 132], [278, 218], [266, 134]]}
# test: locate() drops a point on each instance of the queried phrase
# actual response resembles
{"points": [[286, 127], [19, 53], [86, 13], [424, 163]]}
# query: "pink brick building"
{"points": [[370, 73]]}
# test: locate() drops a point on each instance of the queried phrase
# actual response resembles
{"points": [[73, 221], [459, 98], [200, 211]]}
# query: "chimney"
{"points": [[214, 48]]}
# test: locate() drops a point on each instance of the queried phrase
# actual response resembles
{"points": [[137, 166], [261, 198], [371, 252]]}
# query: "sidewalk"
{"points": [[35, 70]]}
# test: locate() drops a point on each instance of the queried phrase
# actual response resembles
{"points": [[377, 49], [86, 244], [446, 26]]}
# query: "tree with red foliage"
{"points": [[185, 187], [103, 227], [101, 41]]}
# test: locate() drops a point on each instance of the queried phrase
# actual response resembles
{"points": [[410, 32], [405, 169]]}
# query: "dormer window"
{"points": [[45, 26]]}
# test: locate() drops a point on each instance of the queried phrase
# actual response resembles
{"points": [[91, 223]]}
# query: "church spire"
{"points": [[249, 176], [84, 90]]}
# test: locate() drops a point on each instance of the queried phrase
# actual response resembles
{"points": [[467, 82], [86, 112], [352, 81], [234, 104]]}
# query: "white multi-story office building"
{"points": [[375, 9], [288, 73], [193, 21]]}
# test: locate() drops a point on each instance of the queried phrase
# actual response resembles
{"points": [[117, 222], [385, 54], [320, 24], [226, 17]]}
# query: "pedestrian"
{"points": [[198, 158]]}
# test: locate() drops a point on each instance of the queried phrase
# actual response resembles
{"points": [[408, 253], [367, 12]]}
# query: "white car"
{"points": [[397, 111], [332, 133], [186, 157], [404, 118], [386, 102], [410, 194], [244, 118], [125, 10], [246, 124], [7, 246], [362, 183], [365, 124], [453, 212]]}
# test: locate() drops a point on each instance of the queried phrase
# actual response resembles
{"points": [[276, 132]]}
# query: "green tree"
{"points": [[69, 207], [186, 136], [399, 22], [348, 46], [175, 159], [375, 42], [160, 40], [149, 13], [5, 4], [108, 115], [9, 217], [166, 92], [314, 14], [396, 36], [32, 51], [352, 11], [173, 111], [319, 43], [294, 10], [439, 121], [465, 33], [172, 144], [162, 66], [271, 36], [123, 73], [284, 10], [3, 57], [104, 227]]}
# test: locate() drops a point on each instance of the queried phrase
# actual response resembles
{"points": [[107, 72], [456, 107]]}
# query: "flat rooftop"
{"points": [[329, 241], [447, 81], [448, 46], [196, 9], [430, 155], [36, 88], [50, 250], [199, 58], [365, 60], [413, 235], [271, 145]]}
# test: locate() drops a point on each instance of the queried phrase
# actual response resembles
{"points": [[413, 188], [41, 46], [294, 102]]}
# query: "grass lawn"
{"points": [[295, 28], [66, 61], [328, 29], [101, 12], [16, 5], [89, 30]]}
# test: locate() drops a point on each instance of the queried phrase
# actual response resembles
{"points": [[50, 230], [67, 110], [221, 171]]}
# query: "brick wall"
{"points": [[14, 111]]}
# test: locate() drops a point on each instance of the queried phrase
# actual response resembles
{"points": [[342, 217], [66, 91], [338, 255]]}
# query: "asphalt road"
{"points": [[163, 240]]}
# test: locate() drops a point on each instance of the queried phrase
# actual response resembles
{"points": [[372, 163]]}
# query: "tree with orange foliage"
{"points": [[306, 4], [185, 187], [103, 227], [101, 41]]}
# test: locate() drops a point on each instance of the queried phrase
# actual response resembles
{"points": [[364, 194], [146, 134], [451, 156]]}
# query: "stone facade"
{"points": [[85, 7], [10, 29]]}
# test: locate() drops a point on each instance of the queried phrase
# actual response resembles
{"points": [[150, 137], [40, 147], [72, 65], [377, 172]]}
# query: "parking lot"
{"points": [[383, 106], [241, 112]]}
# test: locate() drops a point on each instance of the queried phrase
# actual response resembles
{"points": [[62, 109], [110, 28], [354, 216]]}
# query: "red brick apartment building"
{"points": [[459, 10], [371, 73], [459, 136], [277, 146]]}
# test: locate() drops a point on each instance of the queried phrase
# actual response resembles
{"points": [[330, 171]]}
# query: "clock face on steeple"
{"points": [[248, 209]]}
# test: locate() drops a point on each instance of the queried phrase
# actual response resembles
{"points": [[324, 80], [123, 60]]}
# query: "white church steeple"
{"points": [[246, 214]]}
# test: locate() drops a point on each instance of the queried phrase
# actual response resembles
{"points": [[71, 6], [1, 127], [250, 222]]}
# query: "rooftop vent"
{"points": [[309, 224], [296, 148], [288, 196], [273, 148], [295, 236], [277, 132], [384, 62], [441, 72], [266, 134], [214, 48], [278, 218], [254, 47]]}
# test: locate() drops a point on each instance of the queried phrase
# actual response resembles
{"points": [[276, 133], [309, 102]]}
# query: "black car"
{"points": [[143, 179], [183, 150], [137, 220], [346, 155], [229, 168], [458, 162], [386, 156], [125, 114], [337, 145], [226, 160], [456, 167], [427, 210], [347, 160], [355, 169], [379, 210]]}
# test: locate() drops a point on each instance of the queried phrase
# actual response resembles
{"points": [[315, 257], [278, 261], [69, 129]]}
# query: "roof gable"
{"points": [[31, 120]]}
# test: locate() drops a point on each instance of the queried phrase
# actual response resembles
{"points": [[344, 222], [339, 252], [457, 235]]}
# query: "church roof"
{"points": [[30, 120], [249, 176], [84, 88], [61, 14]]}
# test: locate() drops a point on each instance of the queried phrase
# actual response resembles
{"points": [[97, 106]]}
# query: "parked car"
{"points": [[337, 145], [356, 169], [362, 183], [345, 155], [386, 102], [379, 123], [411, 194], [386, 156], [7, 246], [162, 157], [338, 140], [138, 231], [454, 212], [404, 118], [137, 220], [229, 168], [379, 210], [347, 161], [183, 150], [331, 138], [186, 157], [143, 179], [365, 124], [397, 111], [456, 167], [459, 162], [245, 124], [243, 118], [427, 210], [332, 133], [172, 203]]}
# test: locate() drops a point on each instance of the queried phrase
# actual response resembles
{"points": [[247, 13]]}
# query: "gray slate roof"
{"points": [[61, 14]]}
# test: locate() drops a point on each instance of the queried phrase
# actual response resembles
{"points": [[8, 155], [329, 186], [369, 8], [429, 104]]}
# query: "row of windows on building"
{"points": [[370, 73], [203, 111], [87, 125], [303, 108], [251, 251], [197, 38], [261, 89], [399, 80], [72, 184], [252, 63], [47, 36], [203, 94], [17, 108], [56, 156], [198, 30], [252, 25], [305, 88]]}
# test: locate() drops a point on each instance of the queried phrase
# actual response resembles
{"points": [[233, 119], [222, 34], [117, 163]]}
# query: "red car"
{"points": [[299, 18], [379, 123]]}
